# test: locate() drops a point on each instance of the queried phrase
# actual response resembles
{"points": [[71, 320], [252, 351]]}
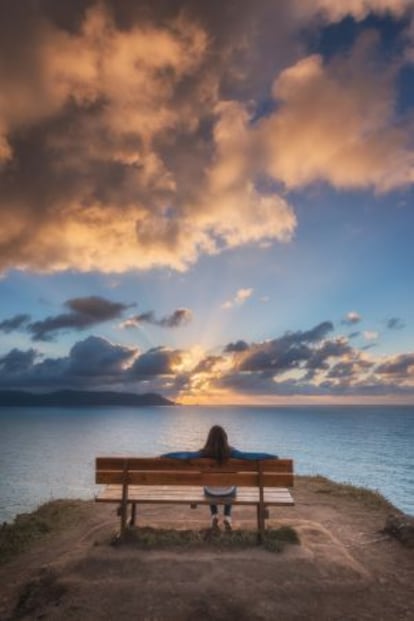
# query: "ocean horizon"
{"points": [[49, 453]]}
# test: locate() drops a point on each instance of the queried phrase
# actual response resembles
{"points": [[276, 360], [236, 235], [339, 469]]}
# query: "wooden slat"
{"points": [[220, 479], [187, 491], [176, 495], [200, 464]]}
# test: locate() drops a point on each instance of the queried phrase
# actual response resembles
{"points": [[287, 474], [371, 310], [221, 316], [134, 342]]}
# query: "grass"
{"points": [[39, 592], [370, 498], [154, 538], [17, 536]]}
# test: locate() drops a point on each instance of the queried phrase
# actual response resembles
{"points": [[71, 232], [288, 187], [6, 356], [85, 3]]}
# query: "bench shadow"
{"points": [[147, 537]]}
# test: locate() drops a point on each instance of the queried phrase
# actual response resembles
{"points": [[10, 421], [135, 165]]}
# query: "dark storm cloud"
{"points": [[86, 312], [238, 346], [400, 365], [262, 384], [284, 353], [370, 387], [156, 361], [330, 349], [321, 366], [349, 369], [17, 361], [315, 365], [91, 362], [14, 323], [315, 334], [274, 356], [98, 357], [98, 309], [179, 317]]}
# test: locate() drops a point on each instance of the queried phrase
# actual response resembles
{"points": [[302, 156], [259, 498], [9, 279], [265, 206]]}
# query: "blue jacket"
{"points": [[214, 491], [233, 453]]}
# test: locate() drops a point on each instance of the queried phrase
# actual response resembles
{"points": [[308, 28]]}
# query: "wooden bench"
{"points": [[160, 480]]}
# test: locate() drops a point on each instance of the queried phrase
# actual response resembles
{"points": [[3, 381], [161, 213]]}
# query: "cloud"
{"points": [[133, 136], [351, 120], [241, 296], [156, 361], [92, 362], [334, 348], [98, 357], [349, 369], [289, 351], [103, 136], [85, 312], [180, 317], [14, 323], [370, 335], [238, 346], [95, 363], [402, 365], [17, 361], [304, 362], [351, 318], [395, 323], [334, 11], [207, 364]]}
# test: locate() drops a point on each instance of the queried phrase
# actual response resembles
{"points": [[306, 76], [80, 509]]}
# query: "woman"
{"points": [[218, 448]]}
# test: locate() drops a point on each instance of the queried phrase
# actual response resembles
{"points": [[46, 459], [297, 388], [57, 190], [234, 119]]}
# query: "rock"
{"points": [[401, 527]]}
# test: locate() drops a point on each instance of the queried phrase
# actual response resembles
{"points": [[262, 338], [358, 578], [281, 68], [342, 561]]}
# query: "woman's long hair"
{"points": [[216, 446]]}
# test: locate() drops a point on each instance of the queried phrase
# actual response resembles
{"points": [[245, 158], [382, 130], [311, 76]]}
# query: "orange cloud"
{"points": [[121, 147], [114, 106], [335, 124], [334, 11]]}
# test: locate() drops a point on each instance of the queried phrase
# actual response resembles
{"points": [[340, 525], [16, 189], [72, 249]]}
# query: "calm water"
{"points": [[46, 454]]}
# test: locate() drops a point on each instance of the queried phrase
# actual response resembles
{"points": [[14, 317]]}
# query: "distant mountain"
{"points": [[80, 398]]}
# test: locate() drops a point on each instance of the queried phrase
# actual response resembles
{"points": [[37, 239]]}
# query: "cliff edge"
{"points": [[345, 566]]}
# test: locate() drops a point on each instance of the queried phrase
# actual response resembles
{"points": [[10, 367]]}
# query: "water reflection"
{"points": [[50, 453]]}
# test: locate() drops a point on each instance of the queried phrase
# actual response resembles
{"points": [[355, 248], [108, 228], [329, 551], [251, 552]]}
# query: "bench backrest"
{"points": [[200, 471]]}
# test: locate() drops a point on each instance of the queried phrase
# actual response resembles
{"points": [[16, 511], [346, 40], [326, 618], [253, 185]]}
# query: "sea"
{"points": [[49, 453]]}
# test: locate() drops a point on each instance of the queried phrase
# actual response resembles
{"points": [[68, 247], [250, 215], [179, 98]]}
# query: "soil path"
{"points": [[345, 568]]}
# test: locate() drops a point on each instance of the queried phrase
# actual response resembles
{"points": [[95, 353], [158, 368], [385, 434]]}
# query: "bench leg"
{"points": [[260, 523], [133, 514], [123, 511]]}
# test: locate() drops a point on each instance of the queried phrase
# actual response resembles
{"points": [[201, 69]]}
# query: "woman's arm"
{"points": [[182, 454], [250, 455]]}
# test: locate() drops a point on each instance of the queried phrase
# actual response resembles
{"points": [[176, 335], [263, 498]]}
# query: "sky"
{"points": [[208, 200]]}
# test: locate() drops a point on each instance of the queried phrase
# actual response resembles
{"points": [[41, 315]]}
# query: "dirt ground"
{"points": [[345, 568]]}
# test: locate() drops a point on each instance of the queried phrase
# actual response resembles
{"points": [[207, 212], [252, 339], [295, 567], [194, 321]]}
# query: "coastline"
{"points": [[69, 570]]}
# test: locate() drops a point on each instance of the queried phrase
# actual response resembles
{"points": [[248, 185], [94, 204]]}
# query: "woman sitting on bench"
{"points": [[218, 448]]}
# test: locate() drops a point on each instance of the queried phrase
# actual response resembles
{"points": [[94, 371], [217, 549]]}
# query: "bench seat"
{"points": [[168, 494]]}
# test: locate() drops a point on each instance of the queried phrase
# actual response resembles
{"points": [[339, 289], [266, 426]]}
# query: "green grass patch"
{"points": [[17, 536], [148, 538], [371, 498]]}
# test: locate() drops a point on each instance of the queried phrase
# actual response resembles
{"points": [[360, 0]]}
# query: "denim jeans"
{"points": [[214, 507], [227, 510]]}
